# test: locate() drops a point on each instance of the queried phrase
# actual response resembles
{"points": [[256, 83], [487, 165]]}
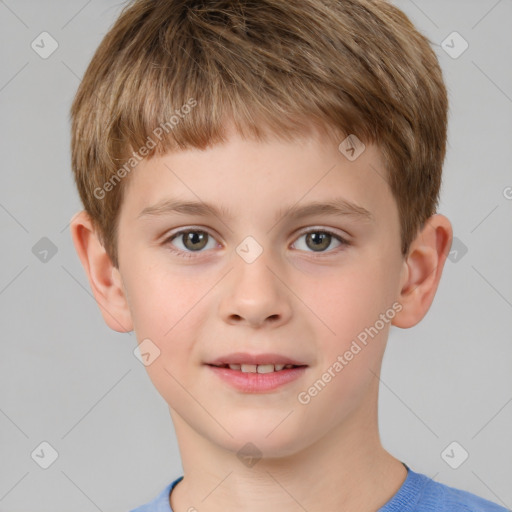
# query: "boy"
{"points": [[299, 145]]}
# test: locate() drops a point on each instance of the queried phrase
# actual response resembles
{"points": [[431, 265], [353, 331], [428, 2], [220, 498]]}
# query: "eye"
{"points": [[192, 240], [318, 240], [195, 240]]}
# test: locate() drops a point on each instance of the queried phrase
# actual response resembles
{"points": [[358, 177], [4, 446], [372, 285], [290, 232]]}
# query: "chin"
{"points": [[267, 437]]}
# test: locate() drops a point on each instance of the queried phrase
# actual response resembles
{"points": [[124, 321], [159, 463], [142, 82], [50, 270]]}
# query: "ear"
{"points": [[104, 278], [422, 270]]}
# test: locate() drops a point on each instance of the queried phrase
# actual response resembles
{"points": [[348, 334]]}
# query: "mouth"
{"points": [[257, 373]]}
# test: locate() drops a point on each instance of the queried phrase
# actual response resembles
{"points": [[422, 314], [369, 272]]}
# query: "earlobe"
{"points": [[103, 276], [424, 267]]}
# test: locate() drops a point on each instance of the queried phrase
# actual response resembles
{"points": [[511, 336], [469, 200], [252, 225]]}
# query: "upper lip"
{"points": [[245, 358]]}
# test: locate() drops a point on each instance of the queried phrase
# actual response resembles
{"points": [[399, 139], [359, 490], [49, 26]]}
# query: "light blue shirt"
{"points": [[417, 494]]}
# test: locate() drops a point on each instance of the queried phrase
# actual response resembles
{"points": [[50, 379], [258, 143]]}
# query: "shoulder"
{"points": [[450, 499], [419, 493], [439, 497], [161, 502]]}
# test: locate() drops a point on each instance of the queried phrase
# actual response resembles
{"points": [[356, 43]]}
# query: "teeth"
{"points": [[259, 368], [249, 368], [265, 368]]}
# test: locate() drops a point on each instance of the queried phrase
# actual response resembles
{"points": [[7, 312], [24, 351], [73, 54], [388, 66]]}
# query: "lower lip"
{"points": [[257, 382]]}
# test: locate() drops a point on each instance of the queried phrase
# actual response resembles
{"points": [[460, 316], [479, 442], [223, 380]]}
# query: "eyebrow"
{"points": [[337, 206]]}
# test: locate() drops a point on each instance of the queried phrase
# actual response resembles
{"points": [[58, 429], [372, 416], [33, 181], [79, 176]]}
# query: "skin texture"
{"points": [[292, 300]]}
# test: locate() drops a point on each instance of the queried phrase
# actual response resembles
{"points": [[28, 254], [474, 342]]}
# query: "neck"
{"points": [[348, 469]]}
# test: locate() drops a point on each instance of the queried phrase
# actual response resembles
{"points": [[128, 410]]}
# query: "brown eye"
{"points": [[187, 242], [318, 241], [194, 240]]}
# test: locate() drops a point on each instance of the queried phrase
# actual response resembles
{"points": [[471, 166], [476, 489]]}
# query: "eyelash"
{"points": [[193, 254]]}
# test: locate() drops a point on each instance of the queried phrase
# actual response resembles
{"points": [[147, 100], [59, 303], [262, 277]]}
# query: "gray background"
{"points": [[68, 380]]}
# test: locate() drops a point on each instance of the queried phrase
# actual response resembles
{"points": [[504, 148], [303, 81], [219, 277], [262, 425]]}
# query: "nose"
{"points": [[255, 294]]}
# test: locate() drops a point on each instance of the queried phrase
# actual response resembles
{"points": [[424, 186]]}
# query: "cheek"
{"points": [[167, 309], [350, 355], [162, 300], [349, 298], [350, 305]]}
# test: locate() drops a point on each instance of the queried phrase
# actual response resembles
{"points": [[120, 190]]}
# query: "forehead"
{"points": [[259, 176]]}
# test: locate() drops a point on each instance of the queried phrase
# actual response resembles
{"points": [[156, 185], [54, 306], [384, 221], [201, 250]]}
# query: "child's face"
{"points": [[304, 297]]}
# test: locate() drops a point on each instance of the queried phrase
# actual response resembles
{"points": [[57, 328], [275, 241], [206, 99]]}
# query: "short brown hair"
{"points": [[270, 66]]}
